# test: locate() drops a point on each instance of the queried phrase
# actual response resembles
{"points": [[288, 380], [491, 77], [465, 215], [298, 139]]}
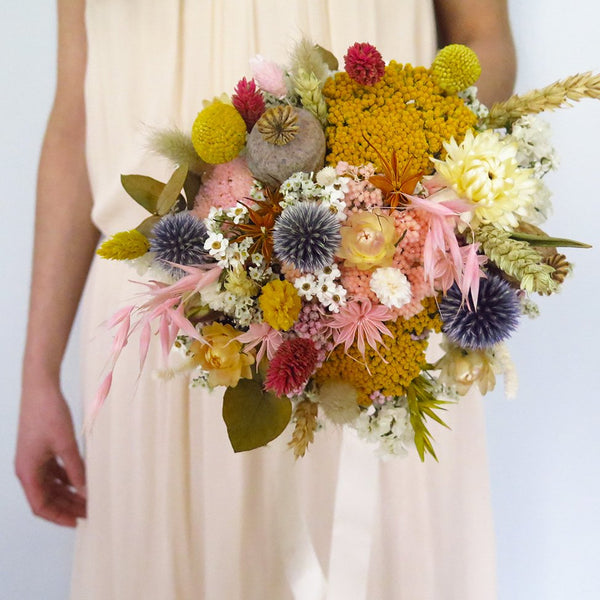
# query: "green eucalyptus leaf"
{"points": [[144, 190], [254, 417], [192, 184], [170, 193], [147, 225], [544, 240], [328, 58]]}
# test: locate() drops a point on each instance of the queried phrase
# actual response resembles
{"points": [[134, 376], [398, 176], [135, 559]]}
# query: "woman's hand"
{"points": [[48, 463]]}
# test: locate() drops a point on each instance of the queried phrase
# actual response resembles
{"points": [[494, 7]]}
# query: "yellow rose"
{"points": [[368, 240], [221, 355]]}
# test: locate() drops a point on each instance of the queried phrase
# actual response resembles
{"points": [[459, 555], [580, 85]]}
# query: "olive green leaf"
{"points": [[171, 192], [147, 225], [544, 240], [328, 58], [254, 417], [191, 186], [144, 190]]}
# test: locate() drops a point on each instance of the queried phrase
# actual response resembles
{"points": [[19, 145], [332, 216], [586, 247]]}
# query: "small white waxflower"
{"points": [[237, 213], [216, 244], [306, 285], [391, 287]]}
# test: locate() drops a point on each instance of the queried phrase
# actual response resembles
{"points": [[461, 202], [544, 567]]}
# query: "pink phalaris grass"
{"points": [[248, 101], [292, 366], [364, 64]]}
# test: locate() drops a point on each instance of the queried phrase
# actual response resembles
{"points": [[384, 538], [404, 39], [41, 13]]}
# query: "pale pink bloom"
{"points": [[269, 76], [261, 333], [361, 321]]}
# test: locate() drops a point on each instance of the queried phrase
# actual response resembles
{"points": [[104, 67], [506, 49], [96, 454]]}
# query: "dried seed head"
{"points": [[278, 125]]}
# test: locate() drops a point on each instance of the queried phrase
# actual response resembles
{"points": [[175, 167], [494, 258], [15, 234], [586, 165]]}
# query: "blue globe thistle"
{"points": [[306, 235], [494, 319], [179, 238]]}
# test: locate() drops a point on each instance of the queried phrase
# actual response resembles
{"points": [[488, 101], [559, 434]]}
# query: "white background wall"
{"points": [[544, 447]]}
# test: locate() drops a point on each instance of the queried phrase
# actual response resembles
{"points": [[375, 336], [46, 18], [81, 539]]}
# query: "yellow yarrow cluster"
{"points": [[280, 304], [218, 133], [405, 112], [405, 358], [124, 245], [455, 68]]}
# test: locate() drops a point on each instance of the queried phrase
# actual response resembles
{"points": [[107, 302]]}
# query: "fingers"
{"points": [[51, 495], [73, 466]]}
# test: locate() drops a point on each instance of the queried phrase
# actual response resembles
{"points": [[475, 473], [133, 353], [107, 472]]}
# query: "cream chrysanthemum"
{"points": [[391, 287], [484, 170]]}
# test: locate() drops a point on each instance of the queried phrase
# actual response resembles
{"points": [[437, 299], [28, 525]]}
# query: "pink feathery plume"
{"points": [[261, 333], [471, 272], [361, 321], [269, 76], [443, 210], [165, 303]]}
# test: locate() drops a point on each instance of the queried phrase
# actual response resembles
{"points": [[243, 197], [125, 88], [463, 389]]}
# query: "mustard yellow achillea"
{"points": [[218, 133], [280, 304], [124, 245]]}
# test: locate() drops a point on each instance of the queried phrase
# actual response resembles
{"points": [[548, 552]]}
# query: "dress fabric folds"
{"points": [[173, 513]]}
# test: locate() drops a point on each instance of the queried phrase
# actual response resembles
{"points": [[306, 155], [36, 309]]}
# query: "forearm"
{"points": [[65, 239], [484, 26]]}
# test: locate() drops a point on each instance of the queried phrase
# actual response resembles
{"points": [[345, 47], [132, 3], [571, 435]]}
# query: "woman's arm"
{"points": [[47, 461], [483, 25]]}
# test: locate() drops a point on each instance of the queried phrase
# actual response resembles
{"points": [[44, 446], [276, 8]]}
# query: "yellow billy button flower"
{"points": [[455, 68], [368, 240], [218, 133], [280, 304], [221, 355], [124, 245]]}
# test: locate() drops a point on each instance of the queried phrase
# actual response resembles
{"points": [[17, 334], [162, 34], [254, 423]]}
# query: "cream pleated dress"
{"points": [[173, 513]]}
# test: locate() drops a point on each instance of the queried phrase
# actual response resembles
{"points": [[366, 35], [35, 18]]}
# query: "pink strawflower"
{"points": [[248, 101], [362, 322], [291, 367], [269, 76], [226, 184], [364, 64], [261, 333]]}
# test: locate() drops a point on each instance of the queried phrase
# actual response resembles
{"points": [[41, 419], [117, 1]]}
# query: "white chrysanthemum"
{"points": [[391, 287], [338, 399], [484, 170]]}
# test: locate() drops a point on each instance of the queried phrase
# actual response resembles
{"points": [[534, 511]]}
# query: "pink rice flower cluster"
{"points": [[408, 257], [290, 272], [226, 184], [364, 64], [361, 194], [379, 399], [291, 367], [248, 101], [311, 324]]}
